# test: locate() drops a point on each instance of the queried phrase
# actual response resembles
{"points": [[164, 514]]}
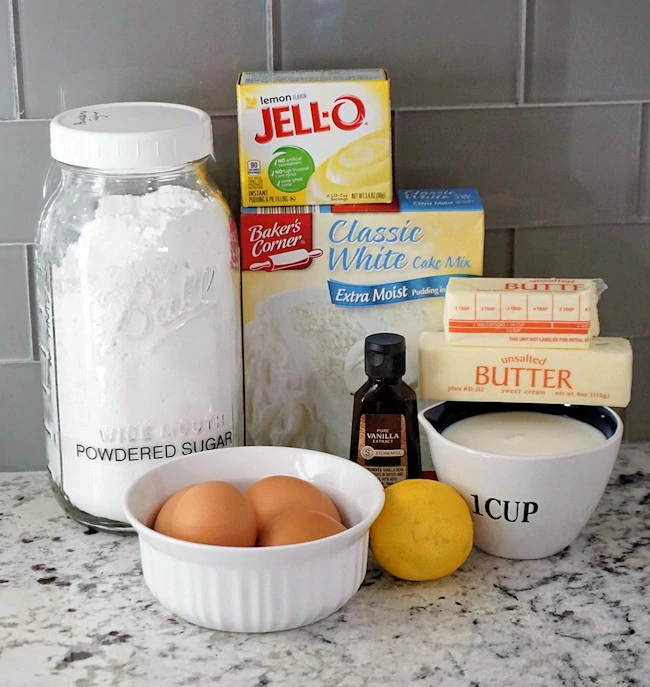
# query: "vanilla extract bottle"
{"points": [[385, 433]]}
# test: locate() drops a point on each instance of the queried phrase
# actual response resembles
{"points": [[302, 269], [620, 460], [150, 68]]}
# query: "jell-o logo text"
{"points": [[285, 121]]}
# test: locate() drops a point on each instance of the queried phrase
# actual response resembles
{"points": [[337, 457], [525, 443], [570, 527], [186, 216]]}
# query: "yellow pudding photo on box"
{"points": [[316, 281], [314, 137]]}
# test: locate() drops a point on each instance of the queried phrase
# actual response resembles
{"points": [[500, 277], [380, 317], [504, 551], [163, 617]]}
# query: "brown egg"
{"points": [[273, 495], [214, 513], [298, 526], [165, 517]]}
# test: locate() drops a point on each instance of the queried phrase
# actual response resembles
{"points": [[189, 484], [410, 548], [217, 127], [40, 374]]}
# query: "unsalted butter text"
{"points": [[530, 377]]}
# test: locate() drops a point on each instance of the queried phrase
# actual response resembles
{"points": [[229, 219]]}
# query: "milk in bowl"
{"points": [[524, 433]]}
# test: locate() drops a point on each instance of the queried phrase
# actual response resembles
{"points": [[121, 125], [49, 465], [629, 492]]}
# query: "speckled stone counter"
{"points": [[74, 610]]}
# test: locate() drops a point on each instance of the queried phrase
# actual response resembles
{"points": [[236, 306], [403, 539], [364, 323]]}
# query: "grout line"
{"points": [[643, 162], [438, 108], [625, 334], [630, 222], [514, 106], [222, 113], [270, 56], [520, 70], [8, 244], [453, 108], [14, 121], [551, 224], [513, 254], [627, 429], [513, 235], [393, 142], [18, 361], [276, 27], [32, 302], [14, 49], [582, 224]]}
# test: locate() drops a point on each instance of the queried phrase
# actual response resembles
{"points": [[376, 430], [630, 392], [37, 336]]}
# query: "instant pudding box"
{"points": [[314, 137], [317, 280]]}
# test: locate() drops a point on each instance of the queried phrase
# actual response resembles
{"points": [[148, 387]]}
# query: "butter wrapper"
{"points": [[544, 313], [598, 375]]}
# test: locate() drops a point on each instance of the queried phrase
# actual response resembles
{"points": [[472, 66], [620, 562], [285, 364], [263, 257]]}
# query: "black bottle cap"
{"points": [[385, 355]]}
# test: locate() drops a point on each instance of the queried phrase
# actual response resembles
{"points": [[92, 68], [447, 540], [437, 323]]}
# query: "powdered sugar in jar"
{"points": [[138, 293]]}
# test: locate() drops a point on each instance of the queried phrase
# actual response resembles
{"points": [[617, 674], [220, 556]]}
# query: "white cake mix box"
{"points": [[317, 280], [314, 137]]}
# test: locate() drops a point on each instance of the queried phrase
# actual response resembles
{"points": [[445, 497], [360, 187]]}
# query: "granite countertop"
{"points": [[74, 610]]}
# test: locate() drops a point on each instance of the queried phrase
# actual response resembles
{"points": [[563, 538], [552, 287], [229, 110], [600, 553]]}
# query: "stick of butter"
{"points": [[544, 313], [599, 375]]}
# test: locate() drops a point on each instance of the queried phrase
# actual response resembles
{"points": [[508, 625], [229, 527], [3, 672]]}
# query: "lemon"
{"points": [[423, 532]]}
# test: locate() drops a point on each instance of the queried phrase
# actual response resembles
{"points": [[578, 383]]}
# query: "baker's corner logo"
{"points": [[277, 242]]}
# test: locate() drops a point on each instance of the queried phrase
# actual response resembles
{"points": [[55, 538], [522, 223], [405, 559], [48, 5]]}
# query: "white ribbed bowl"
{"points": [[252, 589]]}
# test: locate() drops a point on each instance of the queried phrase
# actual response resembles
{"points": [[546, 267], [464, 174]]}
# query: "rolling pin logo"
{"points": [[277, 241], [290, 260]]}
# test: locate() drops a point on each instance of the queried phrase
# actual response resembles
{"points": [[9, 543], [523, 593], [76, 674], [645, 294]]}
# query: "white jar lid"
{"points": [[131, 136]]}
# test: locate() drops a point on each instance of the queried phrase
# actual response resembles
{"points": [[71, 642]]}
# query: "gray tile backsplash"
{"points": [[224, 170], [546, 122], [499, 250], [638, 412], [22, 438], [436, 54], [24, 164], [582, 50], [15, 330], [186, 52], [7, 90], [644, 185], [619, 254], [533, 166]]}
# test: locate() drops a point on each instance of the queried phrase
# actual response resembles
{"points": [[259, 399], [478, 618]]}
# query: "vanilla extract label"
{"points": [[382, 446]]}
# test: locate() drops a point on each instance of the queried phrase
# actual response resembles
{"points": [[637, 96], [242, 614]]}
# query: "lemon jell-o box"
{"points": [[314, 137], [516, 312]]}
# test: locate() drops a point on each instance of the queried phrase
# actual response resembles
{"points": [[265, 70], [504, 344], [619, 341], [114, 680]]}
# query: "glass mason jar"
{"points": [[138, 283]]}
